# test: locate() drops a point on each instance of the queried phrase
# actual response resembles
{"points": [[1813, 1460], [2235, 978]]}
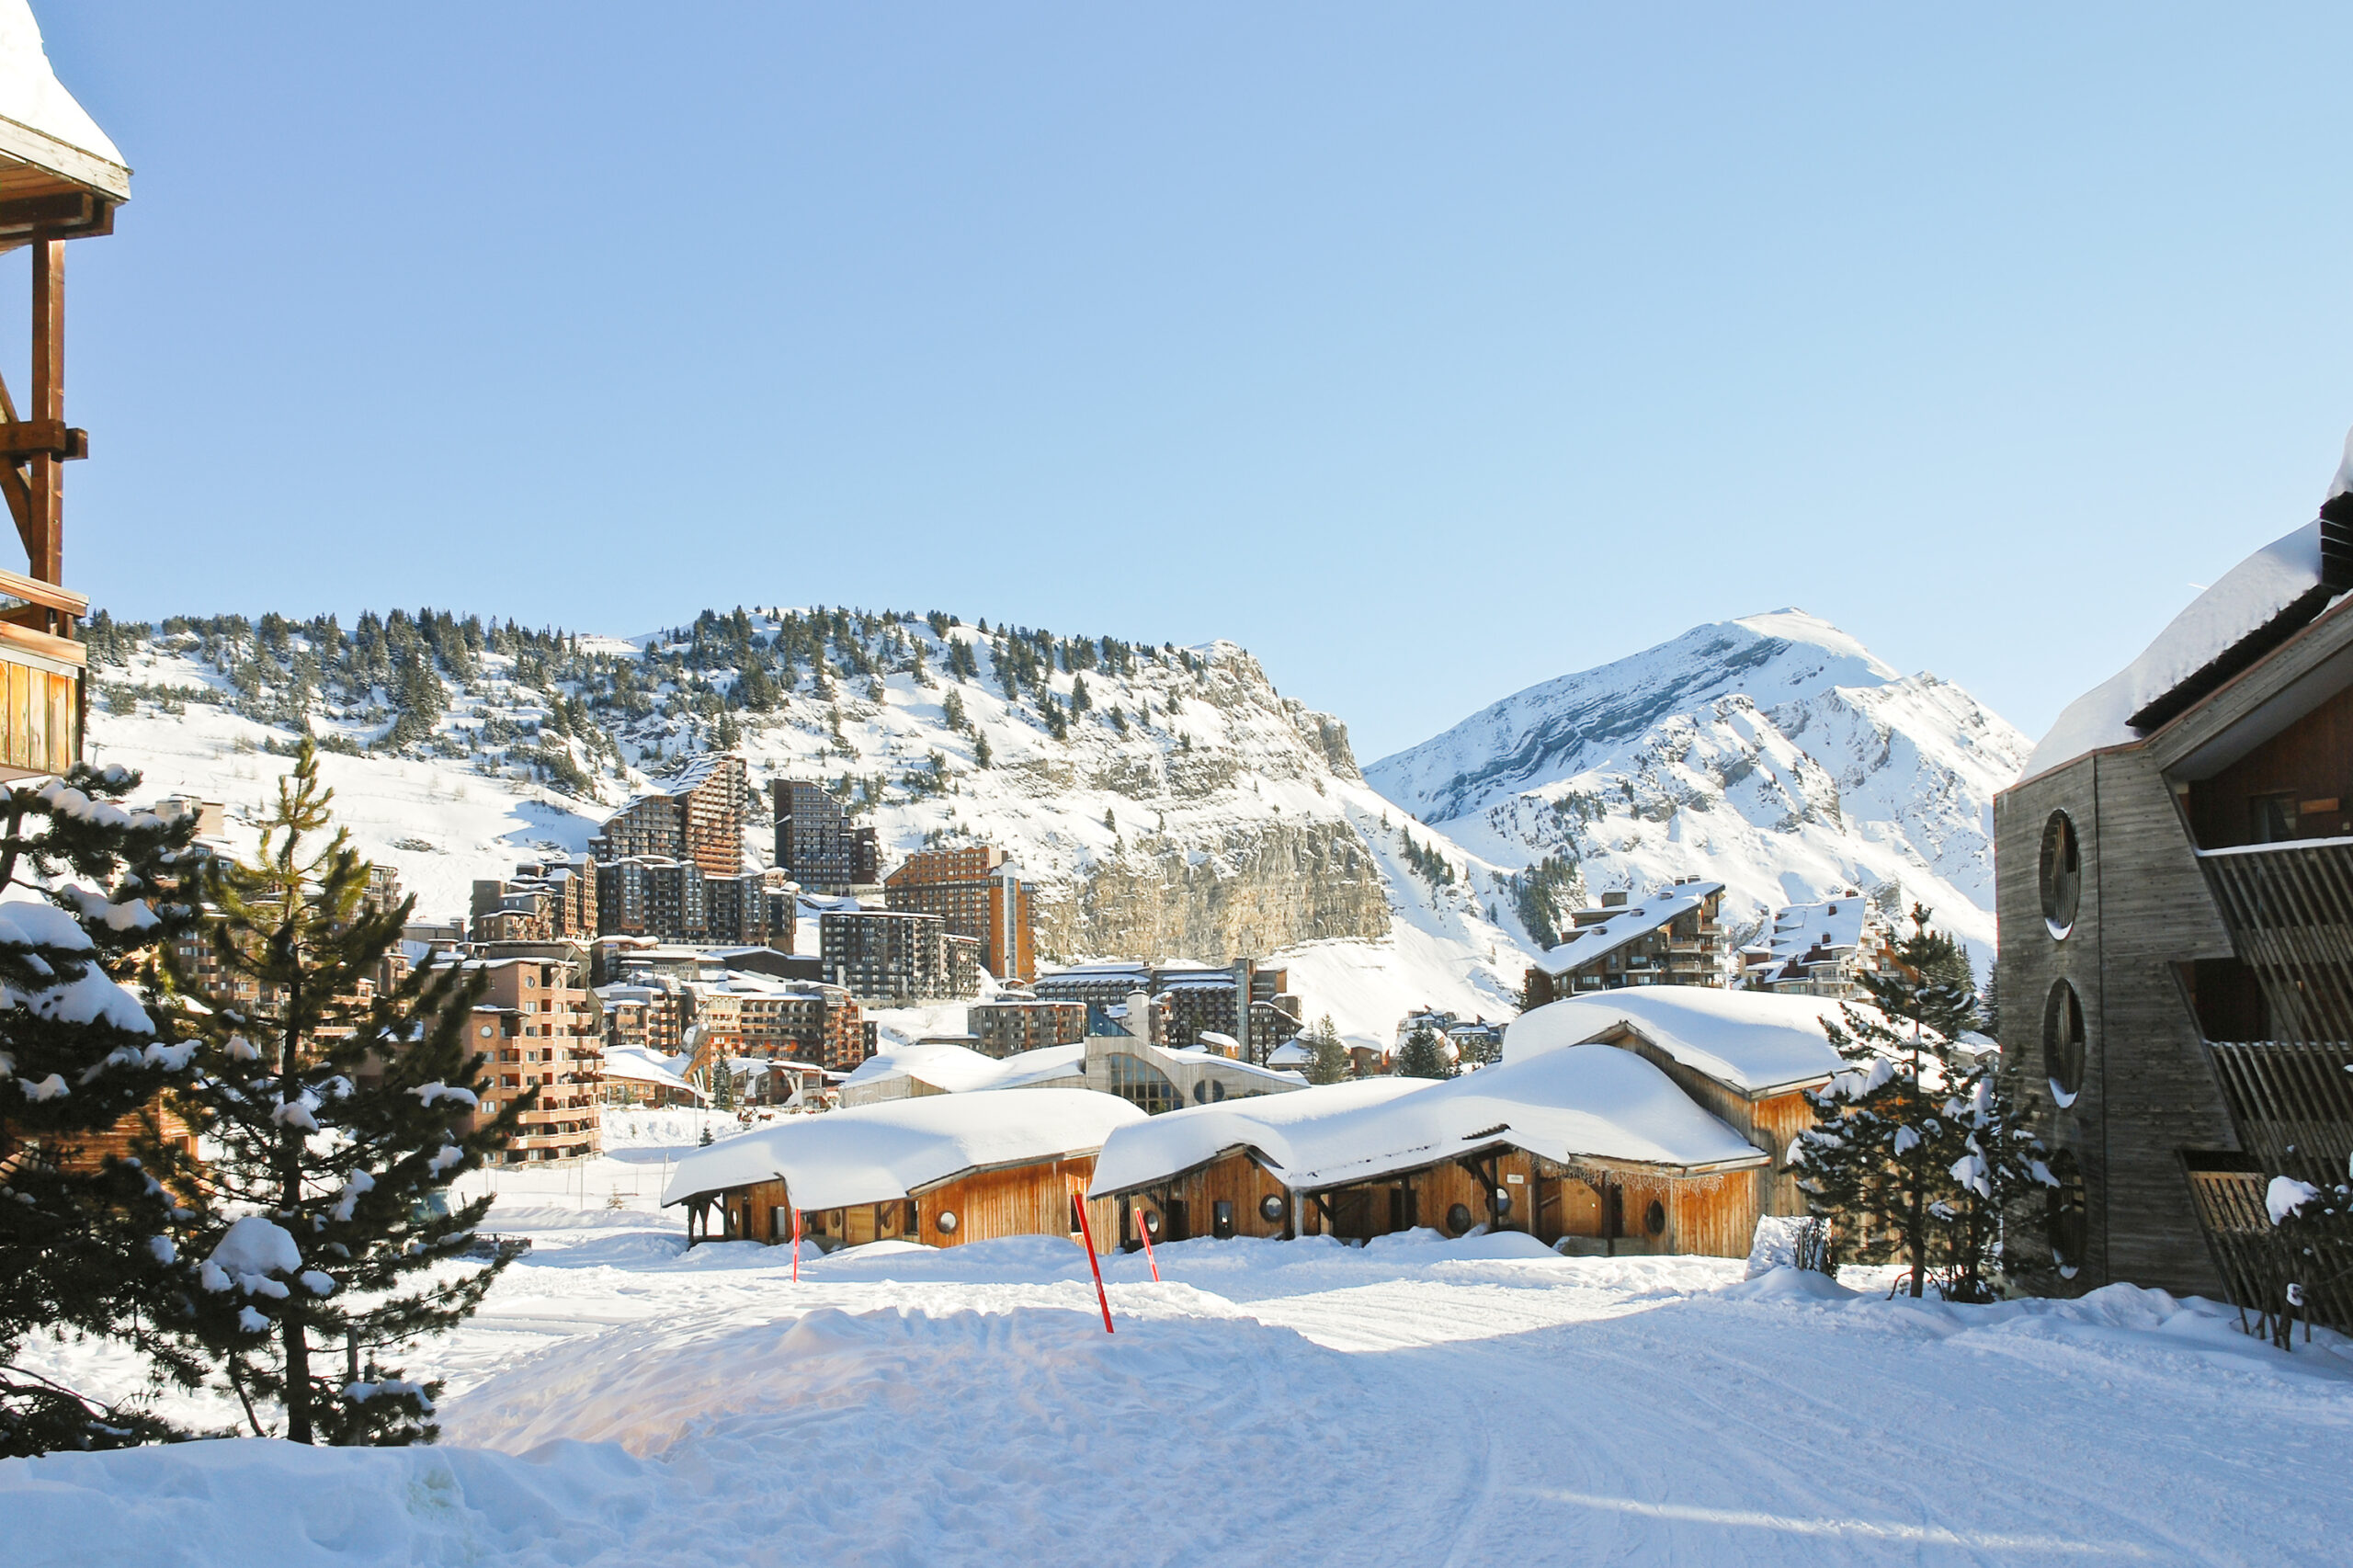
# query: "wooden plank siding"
{"points": [[1769, 1122], [1710, 1213], [1018, 1200]]}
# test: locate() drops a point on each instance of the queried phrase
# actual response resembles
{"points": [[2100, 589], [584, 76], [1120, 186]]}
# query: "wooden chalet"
{"points": [[1589, 1145], [1748, 1057], [60, 180], [938, 1169], [2174, 879]]}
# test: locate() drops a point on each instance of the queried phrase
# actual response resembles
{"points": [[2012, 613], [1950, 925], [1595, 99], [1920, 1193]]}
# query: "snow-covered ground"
{"points": [[621, 1400]]}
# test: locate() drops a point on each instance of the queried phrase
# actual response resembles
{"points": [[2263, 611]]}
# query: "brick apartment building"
{"points": [[537, 1026], [817, 847], [979, 893], [896, 958], [1015, 1024], [695, 815]]}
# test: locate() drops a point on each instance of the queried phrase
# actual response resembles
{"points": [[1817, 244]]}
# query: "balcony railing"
{"points": [[2289, 908]]}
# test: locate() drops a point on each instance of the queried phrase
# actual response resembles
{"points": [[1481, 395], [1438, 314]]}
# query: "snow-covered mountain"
{"points": [[1773, 753], [1167, 802]]}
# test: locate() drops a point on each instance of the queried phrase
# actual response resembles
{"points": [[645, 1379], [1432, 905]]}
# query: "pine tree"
{"points": [[952, 711], [338, 1102], [723, 1085], [1424, 1056], [1330, 1063], [86, 1243], [1079, 700], [981, 753], [1917, 1150]]}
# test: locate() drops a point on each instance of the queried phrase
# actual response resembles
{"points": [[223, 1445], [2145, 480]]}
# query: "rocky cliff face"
{"points": [[1773, 753], [1167, 803]]}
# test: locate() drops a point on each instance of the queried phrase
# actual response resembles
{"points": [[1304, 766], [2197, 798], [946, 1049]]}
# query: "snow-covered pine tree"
{"points": [[1424, 1056], [85, 1237], [1330, 1061], [338, 1103], [1888, 1133]]}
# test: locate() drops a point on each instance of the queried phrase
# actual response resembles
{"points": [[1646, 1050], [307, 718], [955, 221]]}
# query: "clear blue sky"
{"points": [[1429, 352]]}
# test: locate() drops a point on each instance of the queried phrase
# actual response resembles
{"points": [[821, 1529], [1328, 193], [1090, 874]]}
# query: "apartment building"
{"points": [[896, 958], [1672, 938], [977, 892], [695, 815], [1824, 948], [749, 1015], [652, 895], [748, 910], [1191, 998], [536, 1026], [817, 847], [1015, 1024], [543, 900]]}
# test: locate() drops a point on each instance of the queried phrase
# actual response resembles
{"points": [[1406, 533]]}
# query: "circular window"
{"points": [[1457, 1219], [485, 1031], [1654, 1218], [2062, 875], [1503, 1201], [945, 1223], [2067, 1215], [1270, 1208], [2062, 1042], [1152, 1221]]}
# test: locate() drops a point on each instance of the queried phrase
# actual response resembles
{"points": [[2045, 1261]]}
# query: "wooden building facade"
{"points": [[1037, 1198], [2176, 900]]}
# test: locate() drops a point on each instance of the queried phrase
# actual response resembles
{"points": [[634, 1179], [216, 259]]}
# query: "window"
{"points": [[1457, 1219], [1654, 1218], [2271, 819], [1221, 1217], [2066, 1215], [1271, 1208], [2062, 1042], [1503, 1201], [946, 1222], [1140, 1083], [2062, 875]]}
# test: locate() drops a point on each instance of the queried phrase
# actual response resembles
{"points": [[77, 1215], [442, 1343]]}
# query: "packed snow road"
{"points": [[622, 1401]]}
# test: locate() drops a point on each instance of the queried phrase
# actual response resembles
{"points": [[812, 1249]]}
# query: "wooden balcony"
{"points": [[42, 677]]}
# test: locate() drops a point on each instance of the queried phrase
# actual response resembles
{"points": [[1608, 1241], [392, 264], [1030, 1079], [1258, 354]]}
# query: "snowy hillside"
{"points": [[1167, 802], [1773, 753]]}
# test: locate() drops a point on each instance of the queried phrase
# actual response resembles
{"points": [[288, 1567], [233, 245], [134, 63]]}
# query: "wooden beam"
{"points": [[22, 438], [45, 477], [33, 591], [76, 213]]}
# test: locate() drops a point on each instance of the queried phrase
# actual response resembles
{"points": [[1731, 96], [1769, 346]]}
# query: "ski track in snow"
{"points": [[619, 1400]]}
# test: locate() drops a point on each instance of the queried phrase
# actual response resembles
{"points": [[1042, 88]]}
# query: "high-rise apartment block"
{"points": [[978, 894], [817, 847], [893, 957], [696, 815], [535, 1027], [551, 900]]}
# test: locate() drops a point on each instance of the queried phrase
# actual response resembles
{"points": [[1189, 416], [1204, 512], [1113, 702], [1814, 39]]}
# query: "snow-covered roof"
{"points": [[875, 1153], [1639, 920], [45, 126], [1798, 928], [2249, 597], [1177, 1141], [1593, 1101], [1755, 1042], [960, 1070], [638, 1066]]}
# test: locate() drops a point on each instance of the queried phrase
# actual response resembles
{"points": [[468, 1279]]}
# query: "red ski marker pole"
{"points": [[796, 1247], [1086, 1238], [1143, 1224]]}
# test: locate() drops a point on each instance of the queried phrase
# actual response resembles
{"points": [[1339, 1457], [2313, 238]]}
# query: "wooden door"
{"points": [[859, 1224], [1580, 1211]]}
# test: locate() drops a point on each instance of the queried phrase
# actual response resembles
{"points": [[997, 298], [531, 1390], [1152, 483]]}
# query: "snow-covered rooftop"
{"points": [[1594, 1101], [1798, 928], [875, 1153], [636, 1066], [65, 140], [2250, 596], [1755, 1042], [1637, 920], [962, 1070]]}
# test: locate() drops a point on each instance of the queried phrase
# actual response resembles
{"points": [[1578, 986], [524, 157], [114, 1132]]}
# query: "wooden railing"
{"points": [[41, 676]]}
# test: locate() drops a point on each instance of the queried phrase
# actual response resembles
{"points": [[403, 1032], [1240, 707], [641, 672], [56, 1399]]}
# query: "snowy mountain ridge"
{"points": [[1773, 753], [1167, 803]]}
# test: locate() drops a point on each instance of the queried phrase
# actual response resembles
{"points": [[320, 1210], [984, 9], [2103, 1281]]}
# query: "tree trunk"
{"points": [[290, 1180]]}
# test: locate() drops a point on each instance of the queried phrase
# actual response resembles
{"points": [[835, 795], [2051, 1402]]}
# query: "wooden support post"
{"points": [[45, 473]]}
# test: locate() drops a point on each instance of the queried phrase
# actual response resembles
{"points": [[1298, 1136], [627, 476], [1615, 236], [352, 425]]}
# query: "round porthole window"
{"points": [[1654, 1218], [1152, 1221], [2062, 875], [1503, 1201], [1457, 1219], [1270, 1208], [947, 1221], [2062, 1042]]}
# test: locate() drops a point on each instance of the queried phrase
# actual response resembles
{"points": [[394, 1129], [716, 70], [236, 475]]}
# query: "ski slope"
{"points": [[621, 1401]]}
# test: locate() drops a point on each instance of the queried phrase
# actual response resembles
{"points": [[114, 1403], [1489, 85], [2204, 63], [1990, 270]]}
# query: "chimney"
{"points": [[2336, 542]]}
